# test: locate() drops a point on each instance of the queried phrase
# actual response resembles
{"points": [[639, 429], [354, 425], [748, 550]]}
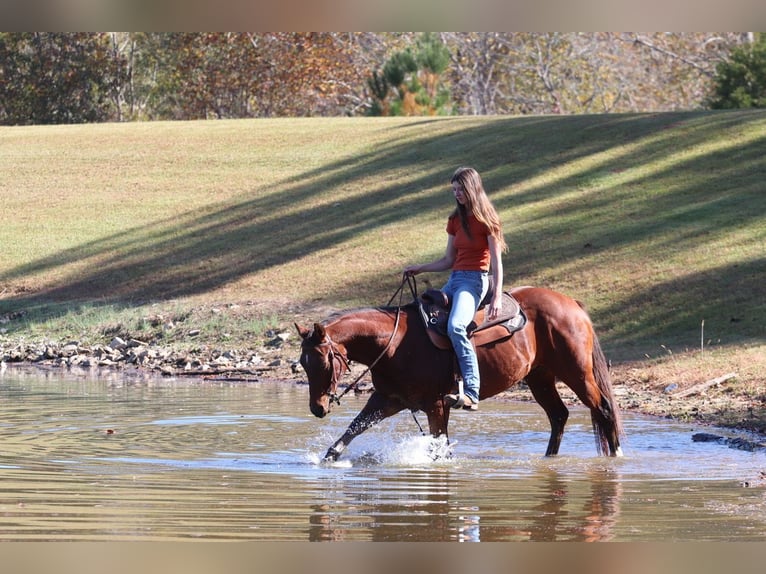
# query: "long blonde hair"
{"points": [[477, 204]]}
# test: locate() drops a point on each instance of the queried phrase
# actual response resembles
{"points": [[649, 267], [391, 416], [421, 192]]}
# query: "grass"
{"points": [[656, 221]]}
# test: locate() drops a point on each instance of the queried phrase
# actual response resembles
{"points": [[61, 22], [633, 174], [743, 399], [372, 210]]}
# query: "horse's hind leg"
{"points": [[589, 378], [542, 383]]}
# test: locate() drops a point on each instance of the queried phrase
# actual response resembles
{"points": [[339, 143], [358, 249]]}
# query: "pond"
{"points": [[118, 457]]}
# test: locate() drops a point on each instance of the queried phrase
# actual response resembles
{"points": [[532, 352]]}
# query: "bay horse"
{"points": [[558, 342]]}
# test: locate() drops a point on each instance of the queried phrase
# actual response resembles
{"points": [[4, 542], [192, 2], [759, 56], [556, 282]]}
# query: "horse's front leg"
{"points": [[438, 418], [378, 407]]}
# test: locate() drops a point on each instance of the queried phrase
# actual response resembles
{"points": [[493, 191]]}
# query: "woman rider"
{"points": [[474, 245]]}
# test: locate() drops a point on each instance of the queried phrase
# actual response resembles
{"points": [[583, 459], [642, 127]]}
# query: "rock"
{"points": [[118, 343], [737, 442], [69, 350], [278, 340]]}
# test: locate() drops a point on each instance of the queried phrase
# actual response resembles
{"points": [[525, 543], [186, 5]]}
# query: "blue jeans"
{"points": [[466, 289]]}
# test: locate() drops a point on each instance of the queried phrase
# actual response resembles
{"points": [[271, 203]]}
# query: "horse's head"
{"points": [[324, 362]]}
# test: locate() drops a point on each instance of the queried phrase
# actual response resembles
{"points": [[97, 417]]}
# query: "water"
{"points": [[121, 458]]}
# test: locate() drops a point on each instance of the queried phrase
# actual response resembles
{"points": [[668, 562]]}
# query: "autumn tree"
{"points": [[668, 71], [479, 68], [307, 74], [239, 75], [538, 73], [57, 78]]}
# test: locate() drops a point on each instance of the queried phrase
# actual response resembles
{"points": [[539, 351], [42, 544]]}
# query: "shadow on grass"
{"points": [[672, 314], [199, 252]]}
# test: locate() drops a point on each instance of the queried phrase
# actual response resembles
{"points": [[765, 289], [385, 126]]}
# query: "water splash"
{"points": [[417, 451], [317, 459]]}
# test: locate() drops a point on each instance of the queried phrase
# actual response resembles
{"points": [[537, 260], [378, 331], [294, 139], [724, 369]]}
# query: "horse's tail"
{"points": [[609, 408]]}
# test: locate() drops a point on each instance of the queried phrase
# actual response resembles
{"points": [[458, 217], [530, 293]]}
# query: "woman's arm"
{"points": [[496, 268], [443, 264]]}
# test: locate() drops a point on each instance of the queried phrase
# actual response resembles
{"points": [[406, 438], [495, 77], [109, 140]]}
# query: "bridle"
{"points": [[339, 362]]}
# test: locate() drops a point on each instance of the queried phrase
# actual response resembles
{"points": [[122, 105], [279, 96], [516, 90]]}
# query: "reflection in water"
{"points": [[119, 458], [412, 506], [594, 522], [554, 513]]}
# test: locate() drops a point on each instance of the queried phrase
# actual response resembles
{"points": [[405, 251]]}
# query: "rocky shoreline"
{"points": [[121, 354]]}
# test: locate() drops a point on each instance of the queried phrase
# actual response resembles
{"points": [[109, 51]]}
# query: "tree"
{"points": [[239, 75], [740, 82], [478, 68], [67, 77], [57, 78], [416, 78], [534, 73]]}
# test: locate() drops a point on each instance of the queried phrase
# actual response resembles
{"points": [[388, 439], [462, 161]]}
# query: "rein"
{"points": [[335, 353]]}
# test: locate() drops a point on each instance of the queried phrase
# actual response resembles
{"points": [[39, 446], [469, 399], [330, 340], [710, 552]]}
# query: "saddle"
{"points": [[434, 307]]}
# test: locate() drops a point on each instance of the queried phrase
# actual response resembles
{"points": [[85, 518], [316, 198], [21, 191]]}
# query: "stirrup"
{"points": [[460, 401]]}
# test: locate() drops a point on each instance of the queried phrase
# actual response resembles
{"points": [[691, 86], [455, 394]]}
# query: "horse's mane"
{"points": [[385, 309]]}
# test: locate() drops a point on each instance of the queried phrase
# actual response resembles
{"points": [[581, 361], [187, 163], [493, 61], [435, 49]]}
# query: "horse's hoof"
{"points": [[440, 449], [332, 455]]}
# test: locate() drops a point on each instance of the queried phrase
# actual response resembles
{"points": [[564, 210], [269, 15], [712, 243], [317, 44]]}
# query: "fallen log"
{"points": [[706, 385]]}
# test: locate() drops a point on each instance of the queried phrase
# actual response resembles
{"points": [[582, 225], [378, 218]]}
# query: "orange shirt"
{"points": [[473, 251]]}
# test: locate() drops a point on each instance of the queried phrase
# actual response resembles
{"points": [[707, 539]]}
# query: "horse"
{"points": [[557, 343]]}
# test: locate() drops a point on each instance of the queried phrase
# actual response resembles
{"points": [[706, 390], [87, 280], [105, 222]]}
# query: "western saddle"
{"points": [[434, 306]]}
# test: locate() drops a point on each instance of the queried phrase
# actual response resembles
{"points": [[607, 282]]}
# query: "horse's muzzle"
{"points": [[318, 410]]}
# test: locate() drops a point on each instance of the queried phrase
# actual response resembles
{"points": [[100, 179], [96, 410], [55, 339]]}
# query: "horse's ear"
{"points": [[302, 331], [319, 333]]}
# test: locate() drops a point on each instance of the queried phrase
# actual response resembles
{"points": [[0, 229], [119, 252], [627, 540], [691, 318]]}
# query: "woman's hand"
{"points": [[443, 264], [494, 308]]}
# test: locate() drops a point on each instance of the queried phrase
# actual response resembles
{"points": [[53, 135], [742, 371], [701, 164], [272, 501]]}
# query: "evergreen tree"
{"points": [[417, 79], [740, 82]]}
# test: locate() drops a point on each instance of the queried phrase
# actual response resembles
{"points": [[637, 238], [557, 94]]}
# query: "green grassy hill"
{"points": [[657, 222]]}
